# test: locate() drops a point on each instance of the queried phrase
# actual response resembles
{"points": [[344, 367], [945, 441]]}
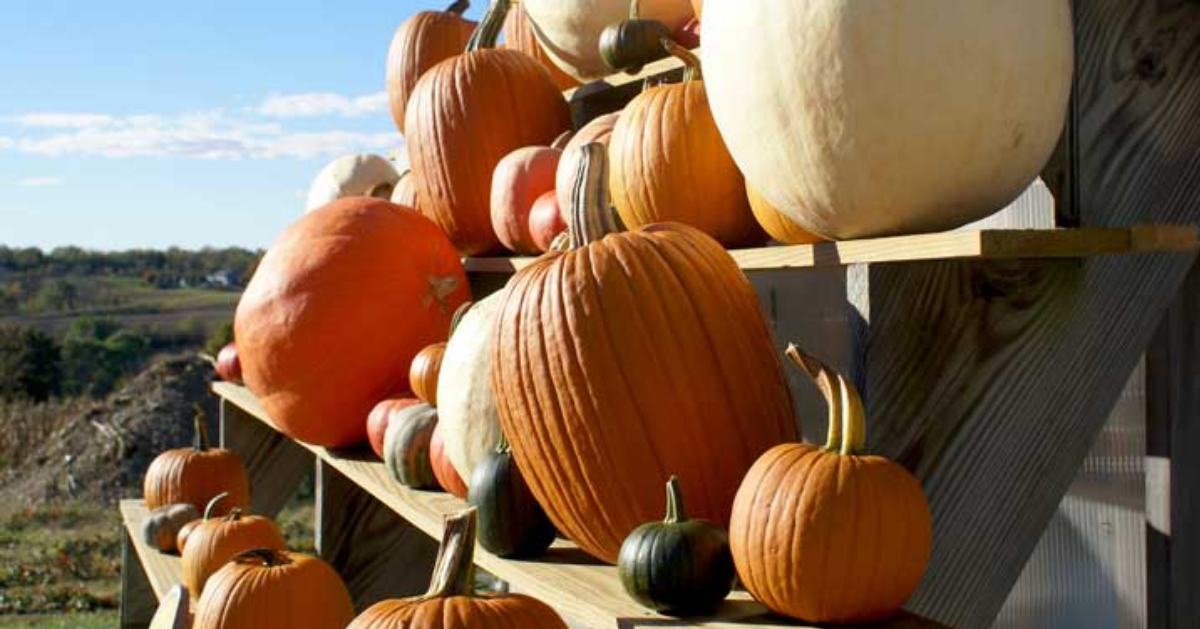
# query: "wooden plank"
{"points": [[581, 588], [162, 570], [275, 464], [378, 554], [138, 602], [988, 244], [660, 68]]}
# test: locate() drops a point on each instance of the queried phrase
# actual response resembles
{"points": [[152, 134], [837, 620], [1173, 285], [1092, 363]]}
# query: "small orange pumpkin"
{"points": [[827, 534], [778, 225], [424, 370], [196, 475], [519, 34], [451, 602], [419, 44], [216, 541], [443, 469], [186, 530], [273, 589], [519, 179]]}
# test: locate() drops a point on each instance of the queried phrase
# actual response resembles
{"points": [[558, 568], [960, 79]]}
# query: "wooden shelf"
{"points": [[162, 570], [657, 68], [578, 586], [988, 244]]}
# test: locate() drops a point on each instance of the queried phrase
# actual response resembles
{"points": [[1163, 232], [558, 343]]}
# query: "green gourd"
{"points": [[511, 522]]}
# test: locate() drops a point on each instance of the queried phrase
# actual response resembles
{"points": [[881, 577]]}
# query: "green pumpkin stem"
{"points": [[825, 379], [200, 426], [454, 570], [459, 7], [488, 31], [212, 504], [591, 216], [502, 446], [691, 63], [675, 511], [268, 557], [854, 418]]}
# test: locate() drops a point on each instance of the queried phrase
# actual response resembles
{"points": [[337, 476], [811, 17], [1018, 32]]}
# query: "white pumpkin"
{"points": [[352, 176], [598, 130], [466, 407], [863, 118], [569, 30]]}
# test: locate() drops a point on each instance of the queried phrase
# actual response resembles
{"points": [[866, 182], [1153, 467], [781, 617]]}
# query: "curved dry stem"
{"points": [[454, 570], [825, 379], [691, 63]]}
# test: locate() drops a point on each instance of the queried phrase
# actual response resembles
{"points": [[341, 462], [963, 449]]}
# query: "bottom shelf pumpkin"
{"points": [[215, 541], [161, 526], [451, 602], [511, 522], [406, 446], [270, 589], [443, 469], [803, 508]]}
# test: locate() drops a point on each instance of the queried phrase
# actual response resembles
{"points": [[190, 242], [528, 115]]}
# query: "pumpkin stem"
{"points": [[634, 9], [458, 315], [200, 426], [234, 514], [212, 504], [454, 570], [823, 377], [675, 510], [459, 7], [854, 418], [502, 446], [268, 557], [591, 217], [691, 63], [489, 28]]}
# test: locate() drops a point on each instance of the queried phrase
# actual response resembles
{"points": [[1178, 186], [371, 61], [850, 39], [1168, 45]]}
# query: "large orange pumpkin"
{"points": [[778, 225], [519, 179], [519, 34], [669, 163], [467, 113], [196, 475], [271, 589], [419, 44], [215, 541], [638, 356], [451, 602], [829, 535], [337, 310]]}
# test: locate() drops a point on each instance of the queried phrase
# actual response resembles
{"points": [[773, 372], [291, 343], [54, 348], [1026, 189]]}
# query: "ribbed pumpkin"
{"points": [[271, 589], [667, 380], [598, 130], [467, 416], [423, 372], [197, 474], [160, 529], [443, 469], [186, 530], [778, 225], [519, 35], [519, 179], [420, 43], [451, 602], [215, 541], [406, 447], [668, 163], [830, 535], [405, 192], [467, 113], [381, 416], [318, 325]]}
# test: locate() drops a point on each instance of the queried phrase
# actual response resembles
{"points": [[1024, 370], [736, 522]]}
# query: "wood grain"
{"points": [[275, 465], [162, 570], [138, 603]]}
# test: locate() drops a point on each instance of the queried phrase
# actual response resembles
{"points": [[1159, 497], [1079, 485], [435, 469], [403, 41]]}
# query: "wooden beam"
{"points": [[275, 464], [162, 571], [138, 602]]}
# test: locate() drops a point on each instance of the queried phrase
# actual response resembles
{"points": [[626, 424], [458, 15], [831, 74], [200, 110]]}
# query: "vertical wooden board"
{"points": [[275, 464], [138, 602], [378, 554]]}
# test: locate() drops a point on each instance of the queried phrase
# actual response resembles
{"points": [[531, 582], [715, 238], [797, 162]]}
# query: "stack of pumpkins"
{"points": [[634, 350]]}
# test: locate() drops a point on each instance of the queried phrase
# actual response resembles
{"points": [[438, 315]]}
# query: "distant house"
{"points": [[225, 278]]}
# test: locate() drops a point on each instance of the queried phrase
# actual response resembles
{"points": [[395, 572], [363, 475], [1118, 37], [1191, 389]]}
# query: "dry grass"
{"points": [[25, 426]]}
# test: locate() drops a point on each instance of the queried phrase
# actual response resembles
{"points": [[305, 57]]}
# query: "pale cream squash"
{"points": [[352, 176], [569, 30], [864, 118], [466, 408]]}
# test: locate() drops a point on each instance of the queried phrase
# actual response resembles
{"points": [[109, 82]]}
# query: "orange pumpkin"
{"points": [[698, 5], [467, 113], [443, 469], [546, 221], [829, 535], [451, 602], [669, 163], [778, 225], [519, 34], [598, 130], [419, 44], [663, 383], [215, 541], [317, 326], [424, 370], [186, 530], [379, 418], [272, 589], [405, 192], [196, 475], [519, 179]]}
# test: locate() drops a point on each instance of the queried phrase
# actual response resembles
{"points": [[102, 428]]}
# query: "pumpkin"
{"points": [[678, 565], [668, 163], [466, 114], [317, 325], [511, 523], [519, 34], [405, 192], [451, 602], [423, 372], [519, 179], [569, 30], [688, 35], [421, 42], [695, 360], [186, 530], [467, 419], [889, 117], [546, 221], [195, 475], [778, 225], [380, 418], [406, 446], [599, 129], [352, 176], [443, 469], [630, 44], [698, 7], [274, 589], [803, 508], [161, 526], [218, 540], [228, 367]]}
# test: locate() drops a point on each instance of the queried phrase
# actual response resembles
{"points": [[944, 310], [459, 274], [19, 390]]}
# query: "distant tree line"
{"points": [[163, 268]]}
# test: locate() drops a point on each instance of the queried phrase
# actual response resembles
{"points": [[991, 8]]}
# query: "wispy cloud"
{"points": [[318, 104], [40, 182], [59, 120]]}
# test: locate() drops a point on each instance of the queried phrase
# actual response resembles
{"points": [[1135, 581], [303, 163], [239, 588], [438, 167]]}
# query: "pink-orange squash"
{"points": [[519, 179]]}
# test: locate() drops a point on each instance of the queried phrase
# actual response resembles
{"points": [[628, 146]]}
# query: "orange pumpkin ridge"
{"points": [[520, 35], [195, 475], [420, 43], [215, 541], [270, 589]]}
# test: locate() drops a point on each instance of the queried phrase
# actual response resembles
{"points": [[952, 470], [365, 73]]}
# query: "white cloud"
{"points": [[318, 104], [57, 120], [40, 182]]}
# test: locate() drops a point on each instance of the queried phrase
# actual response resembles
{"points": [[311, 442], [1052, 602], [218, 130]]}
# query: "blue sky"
{"points": [[149, 124]]}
